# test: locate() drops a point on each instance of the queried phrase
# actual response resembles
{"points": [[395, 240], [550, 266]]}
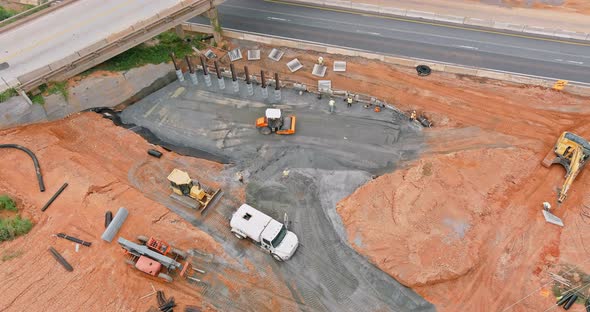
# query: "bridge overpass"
{"points": [[82, 34]]}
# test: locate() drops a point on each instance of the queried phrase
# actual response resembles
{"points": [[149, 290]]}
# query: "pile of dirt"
{"points": [[95, 157]]}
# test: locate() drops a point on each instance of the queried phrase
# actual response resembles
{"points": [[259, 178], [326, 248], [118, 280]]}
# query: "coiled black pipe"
{"points": [[35, 162]]}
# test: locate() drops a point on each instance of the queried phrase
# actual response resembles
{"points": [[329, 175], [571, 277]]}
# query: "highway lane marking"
{"points": [[368, 32], [430, 23], [569, 61], [467, 47], [278, 19], [65, 31], [413, 32]]}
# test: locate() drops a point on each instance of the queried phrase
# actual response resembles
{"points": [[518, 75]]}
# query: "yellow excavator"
{"points": [[190, 192], [572, 152]]}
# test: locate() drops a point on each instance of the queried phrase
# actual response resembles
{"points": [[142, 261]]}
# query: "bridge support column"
{"points": [[179, 31], [214, 19]]}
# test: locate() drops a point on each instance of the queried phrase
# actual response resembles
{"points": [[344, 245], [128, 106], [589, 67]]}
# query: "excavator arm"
{"points": [[575, 167]]}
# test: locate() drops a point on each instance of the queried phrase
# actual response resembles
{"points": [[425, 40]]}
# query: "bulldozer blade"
{"points": [[214, 199], [187, 201], [551, 218]]}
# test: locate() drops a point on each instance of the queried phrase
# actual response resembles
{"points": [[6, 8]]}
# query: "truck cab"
{"points": [[266, 232]]}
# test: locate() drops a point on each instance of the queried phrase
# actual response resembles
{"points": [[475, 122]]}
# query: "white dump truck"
{"points": [[266, 232]]}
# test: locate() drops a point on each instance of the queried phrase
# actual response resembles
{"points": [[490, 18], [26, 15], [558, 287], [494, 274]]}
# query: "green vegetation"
{"points": [[6, 203], [60, 87], [6, 13], [37, 99], [10, 228], [10, 255], [4, 96], [147, 53]]}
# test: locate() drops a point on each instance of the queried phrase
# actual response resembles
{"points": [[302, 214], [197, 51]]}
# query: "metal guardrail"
{"points": [[107, 48]]}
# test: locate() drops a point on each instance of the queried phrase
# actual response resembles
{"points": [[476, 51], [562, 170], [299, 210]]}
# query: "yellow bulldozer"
{"points": [[190, 192], [571, 151]]}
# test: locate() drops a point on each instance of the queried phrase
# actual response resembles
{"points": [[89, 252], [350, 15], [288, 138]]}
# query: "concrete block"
{"points": [[478, 22], [508, 26], [257, 38], [420, 14], [64, 61], [399, 61], [460, 70], [449, 19], [493, 75], [539, 30], [93, 48], [372, 56], [39, 72], [233, 34], [341, 51], [571, 34], [365, 7], [207, 29], [393, 11], [338, 3]]}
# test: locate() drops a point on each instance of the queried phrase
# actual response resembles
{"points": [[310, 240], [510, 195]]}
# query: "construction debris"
{"points": [[155, 153], [154, 291], [339, 66], [253, 55], [235, 55], [35, 162], [61, 189], [319, 70], [61, 259], [275, 54], [165, 305], [74, 239], [423, 70], [294, 65], [108, 217], [115, 225]]}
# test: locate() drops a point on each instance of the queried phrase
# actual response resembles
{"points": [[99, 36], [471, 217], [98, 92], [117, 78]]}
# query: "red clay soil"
{"points": [[463, 224], [572, 6], [94, 157]]}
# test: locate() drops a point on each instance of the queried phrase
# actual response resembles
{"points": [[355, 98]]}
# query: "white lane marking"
{"points": [[467, 47], [407, 31], [368, 32], [278, 19], [568, 61]]}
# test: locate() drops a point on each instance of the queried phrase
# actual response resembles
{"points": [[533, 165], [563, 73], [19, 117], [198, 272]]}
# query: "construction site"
{"points": [[255, 176]]}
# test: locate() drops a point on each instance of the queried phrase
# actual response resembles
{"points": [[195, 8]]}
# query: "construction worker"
{"points": [[349, 100], [413, 115], [320, 60], [332, 103]]}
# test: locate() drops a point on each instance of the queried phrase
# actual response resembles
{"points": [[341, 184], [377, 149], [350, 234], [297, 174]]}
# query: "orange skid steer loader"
{"points": [[274, 122]]}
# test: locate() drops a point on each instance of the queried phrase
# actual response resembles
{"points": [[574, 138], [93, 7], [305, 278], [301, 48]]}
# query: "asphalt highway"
{"points": [[479, 47]]}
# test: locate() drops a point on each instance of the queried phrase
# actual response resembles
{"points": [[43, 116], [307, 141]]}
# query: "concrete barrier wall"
{"points": [[464, 20], [397, 60]]}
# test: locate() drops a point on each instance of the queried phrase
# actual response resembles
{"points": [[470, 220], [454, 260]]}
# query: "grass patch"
{"points": [[36, 99], [55, 87], [146, 53], [6, 13], [4, 96], [10, 228], [6, 203], [8, 255]]}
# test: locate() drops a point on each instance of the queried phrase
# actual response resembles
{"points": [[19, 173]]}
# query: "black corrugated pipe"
{"points": [[247, 72], [262, 79], [35, 162], [73, 239], [108, 217], [173, 57], [233, 72], [60, 259], [191, 69], [61, 189], [570, 302], [565, 298], [217, 69], [277, 83], [204, 64]]}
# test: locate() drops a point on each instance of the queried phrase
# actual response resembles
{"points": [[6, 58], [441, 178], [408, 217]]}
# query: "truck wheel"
{"points": [[165, 277], [238, 236], [142, 239], [265, 130], [179, 253], [276, 257]]}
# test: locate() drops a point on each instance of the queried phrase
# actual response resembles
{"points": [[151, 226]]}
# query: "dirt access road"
{"points": [[329, 157]]}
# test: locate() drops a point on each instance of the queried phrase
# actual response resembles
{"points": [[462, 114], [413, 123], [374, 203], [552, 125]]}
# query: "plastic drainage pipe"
{"points": [[35, 162]]}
